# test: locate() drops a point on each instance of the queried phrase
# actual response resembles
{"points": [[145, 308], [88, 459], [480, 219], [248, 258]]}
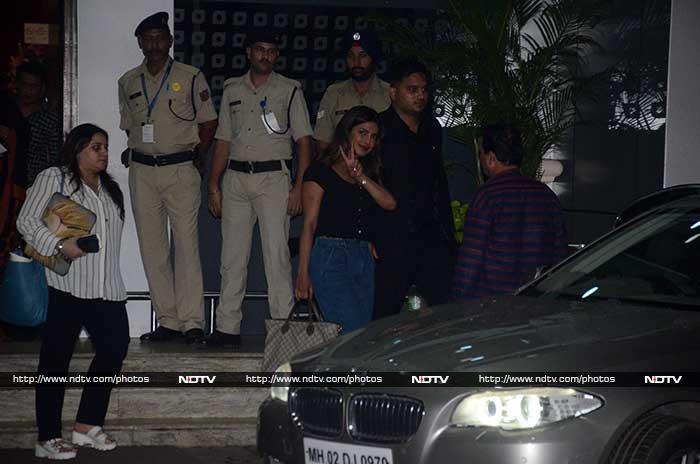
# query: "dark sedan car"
{"points": [[628, 303], [651, 201]]}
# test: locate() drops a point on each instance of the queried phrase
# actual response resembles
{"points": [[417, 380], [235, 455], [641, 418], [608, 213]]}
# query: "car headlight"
{"points": [[280, 390], [523, 408]]}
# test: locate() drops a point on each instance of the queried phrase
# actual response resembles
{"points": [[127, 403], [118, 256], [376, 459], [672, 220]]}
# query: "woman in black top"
{"points": [[340, 192]]}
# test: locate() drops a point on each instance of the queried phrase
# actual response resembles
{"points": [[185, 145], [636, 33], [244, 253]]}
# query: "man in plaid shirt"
{"points": [[45, 131]]}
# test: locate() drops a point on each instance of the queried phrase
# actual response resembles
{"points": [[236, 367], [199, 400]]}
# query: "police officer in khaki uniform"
{"points": [[167, 113], [363, 51], [262, 113]]}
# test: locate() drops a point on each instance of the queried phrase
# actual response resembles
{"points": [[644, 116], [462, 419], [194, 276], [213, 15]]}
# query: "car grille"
{"points": [[372, 418], [319, 411], [384, 418]]}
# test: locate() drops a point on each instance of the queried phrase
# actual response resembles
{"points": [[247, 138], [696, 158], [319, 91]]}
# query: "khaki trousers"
{"points": [[248, 198], [159, 194]]}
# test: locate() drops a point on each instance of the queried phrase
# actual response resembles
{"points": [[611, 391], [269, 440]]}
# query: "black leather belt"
{"points": [[162, 160], [252, 167]]}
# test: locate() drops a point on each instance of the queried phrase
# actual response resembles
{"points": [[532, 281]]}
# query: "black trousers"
{"points": [[425, 259], [107, 324]]}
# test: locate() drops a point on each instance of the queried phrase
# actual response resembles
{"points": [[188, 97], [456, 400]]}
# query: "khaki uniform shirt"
{"points": [[175, 124], [241, 122], [342, 96]]}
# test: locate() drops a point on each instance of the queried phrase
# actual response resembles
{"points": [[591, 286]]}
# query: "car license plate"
{"points": [[328, 452]]}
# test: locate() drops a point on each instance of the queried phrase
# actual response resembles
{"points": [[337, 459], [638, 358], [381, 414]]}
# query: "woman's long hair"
{"points": [[371, 163], [77, 140]]}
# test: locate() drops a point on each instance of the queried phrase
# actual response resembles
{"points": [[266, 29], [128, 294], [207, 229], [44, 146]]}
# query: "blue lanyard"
{"points": [[152, 103]]}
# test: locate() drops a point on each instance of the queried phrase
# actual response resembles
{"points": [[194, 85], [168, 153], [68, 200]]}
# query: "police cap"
{"points": [[155, 21], [261, 35]]}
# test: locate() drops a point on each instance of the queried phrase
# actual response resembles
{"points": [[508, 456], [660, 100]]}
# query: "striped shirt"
{"points": [[95, 275], [514, 226]]}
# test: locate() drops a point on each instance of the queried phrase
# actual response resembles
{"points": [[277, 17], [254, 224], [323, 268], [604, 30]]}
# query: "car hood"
{"points": [[519, 334]]}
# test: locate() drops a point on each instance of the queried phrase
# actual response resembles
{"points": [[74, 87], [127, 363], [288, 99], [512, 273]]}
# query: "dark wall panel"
{"points": [[617, 153]]}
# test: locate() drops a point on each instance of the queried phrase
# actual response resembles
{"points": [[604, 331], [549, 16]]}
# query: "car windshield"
{"points": [[653, 260]]}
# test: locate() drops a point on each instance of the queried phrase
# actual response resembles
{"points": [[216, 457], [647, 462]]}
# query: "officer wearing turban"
{"points": [[362, 50]]}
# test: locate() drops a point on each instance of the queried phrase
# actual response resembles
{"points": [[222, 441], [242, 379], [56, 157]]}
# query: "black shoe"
{"points": [[194, 336], [161, 334], [217, 339]]}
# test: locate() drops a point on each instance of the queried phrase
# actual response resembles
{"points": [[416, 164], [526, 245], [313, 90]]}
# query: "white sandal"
{"points": [[56, 448], [95, 438]]}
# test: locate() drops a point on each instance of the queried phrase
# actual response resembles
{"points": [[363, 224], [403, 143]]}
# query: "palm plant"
{"points": [[517, 61]]}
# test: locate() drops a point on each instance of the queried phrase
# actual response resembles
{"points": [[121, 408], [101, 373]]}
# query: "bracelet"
{"points": [[363, 182], [213, 192]]}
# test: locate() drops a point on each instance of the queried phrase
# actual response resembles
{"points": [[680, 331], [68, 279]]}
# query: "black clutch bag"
{"points": [[89, 244]]}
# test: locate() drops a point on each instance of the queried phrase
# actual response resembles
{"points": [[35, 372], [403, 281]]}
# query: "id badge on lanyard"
{"points": [[148, 129], [148, 133]]}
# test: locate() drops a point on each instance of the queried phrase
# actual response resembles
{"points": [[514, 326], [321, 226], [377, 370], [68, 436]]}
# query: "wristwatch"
{"points": [[59, 249]]}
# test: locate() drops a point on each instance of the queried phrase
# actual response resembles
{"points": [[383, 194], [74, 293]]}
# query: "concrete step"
{"points": [[147, 403], [181, 432], [145, 361], [177, 416]]}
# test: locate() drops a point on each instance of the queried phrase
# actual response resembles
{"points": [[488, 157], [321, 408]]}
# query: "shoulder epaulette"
{"points": [[130, 73], [231, 80], [186, 68]]}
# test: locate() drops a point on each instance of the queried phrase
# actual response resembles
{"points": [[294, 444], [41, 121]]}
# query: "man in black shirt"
{"points": [[415, 243]]}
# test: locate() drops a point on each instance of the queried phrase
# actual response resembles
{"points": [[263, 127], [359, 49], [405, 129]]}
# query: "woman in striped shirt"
{"points": [[90, 295]]}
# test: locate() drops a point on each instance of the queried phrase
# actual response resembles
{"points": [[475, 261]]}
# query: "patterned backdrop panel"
{"points": [[210, 36]]}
